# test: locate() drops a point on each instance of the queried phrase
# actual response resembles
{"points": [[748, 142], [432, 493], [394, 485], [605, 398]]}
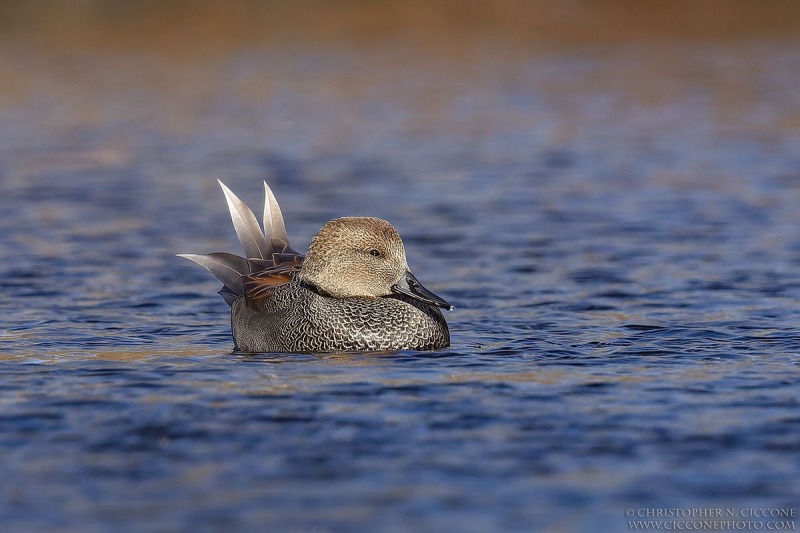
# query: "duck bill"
{"points": [[409, 286]]}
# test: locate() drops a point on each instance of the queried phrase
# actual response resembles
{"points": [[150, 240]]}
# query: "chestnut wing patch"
{"points": [[266, 274]]}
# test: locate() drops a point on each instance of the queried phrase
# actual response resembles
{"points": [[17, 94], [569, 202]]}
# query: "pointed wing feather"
{"points": [[250, 236], [227, 268], [274, 228], [228, 295]]}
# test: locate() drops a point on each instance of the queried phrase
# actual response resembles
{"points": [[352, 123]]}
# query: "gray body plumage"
{"points": [[295, 318], [352, 292]]}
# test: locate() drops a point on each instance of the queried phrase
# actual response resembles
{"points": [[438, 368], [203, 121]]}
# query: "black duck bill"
{"points": [[409, 286]]}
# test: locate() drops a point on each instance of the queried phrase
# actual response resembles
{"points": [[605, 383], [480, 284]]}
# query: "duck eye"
{"points": [[374, 253]]}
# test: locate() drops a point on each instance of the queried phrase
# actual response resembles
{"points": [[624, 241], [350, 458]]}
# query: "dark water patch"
{"points": [[595, 275], [32, 421], [592, 388], [584, 307], [540, 303], [616, 295], [275, 358], [558, 160], [642, 327]]}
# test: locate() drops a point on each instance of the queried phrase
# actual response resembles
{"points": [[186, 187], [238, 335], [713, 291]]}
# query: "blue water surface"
{"points": [[618, 228]]}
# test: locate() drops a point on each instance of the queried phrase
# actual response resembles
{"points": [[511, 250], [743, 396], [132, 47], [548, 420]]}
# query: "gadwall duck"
{"points": [[352, 291]]}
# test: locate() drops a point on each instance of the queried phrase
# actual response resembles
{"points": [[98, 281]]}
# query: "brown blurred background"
{"points": [[184, 26]]}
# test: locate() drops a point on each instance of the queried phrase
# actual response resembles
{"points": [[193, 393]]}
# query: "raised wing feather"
{"points": [[270, 261], [254, 244], [227, 268], [274, 228]]}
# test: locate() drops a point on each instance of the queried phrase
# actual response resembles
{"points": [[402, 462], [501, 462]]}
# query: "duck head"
{"points": [[362, 257]]}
